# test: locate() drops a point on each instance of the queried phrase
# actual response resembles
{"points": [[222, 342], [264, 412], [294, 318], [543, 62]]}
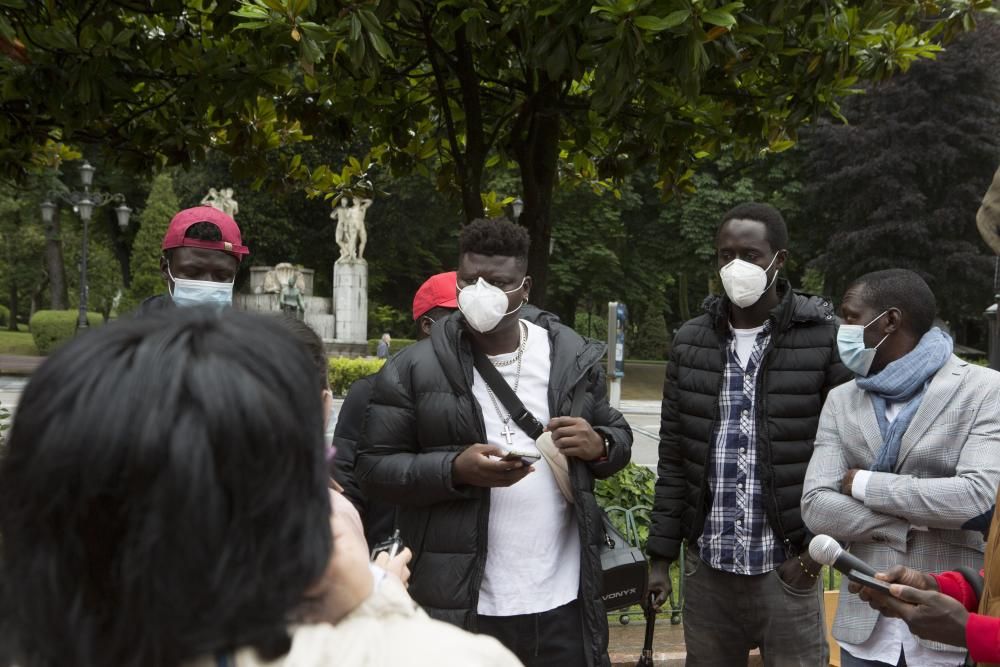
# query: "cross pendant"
{"points": [[508, 434]]}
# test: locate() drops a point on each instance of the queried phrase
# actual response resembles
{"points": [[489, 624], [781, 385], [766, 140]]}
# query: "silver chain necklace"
{"points": [[507, 432]]}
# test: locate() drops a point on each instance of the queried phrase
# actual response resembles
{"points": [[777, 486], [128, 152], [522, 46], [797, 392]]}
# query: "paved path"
{"points": [[14, 364], [642, 416]]}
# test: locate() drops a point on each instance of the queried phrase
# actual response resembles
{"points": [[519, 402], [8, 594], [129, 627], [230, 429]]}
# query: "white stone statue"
{"points": [[351, 234], [279, 277], [211, 199], [222, 200]]}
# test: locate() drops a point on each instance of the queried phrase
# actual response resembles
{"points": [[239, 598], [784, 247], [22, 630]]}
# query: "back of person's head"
{"points": [[902, 289], [495, 237], [767, 215], [313, 344], [163, 494]]}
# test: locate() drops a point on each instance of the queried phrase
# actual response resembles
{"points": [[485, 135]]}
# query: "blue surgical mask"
{"points": [[851, 344], [201, 292]]}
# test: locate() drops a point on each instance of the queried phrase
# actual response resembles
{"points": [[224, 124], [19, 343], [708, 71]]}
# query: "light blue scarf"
{"points": [[904, 381]]}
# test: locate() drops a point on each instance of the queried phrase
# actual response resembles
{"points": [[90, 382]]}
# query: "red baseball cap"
{"points": [[438, 291], [231, 242]]}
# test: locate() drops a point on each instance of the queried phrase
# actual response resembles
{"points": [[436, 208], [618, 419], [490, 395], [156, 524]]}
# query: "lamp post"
{"points": [[516, 208], [84, 202]]}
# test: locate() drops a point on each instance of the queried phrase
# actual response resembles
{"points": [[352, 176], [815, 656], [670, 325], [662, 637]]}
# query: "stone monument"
{"points": [[350, 271], [288, 288], [222, 200]]}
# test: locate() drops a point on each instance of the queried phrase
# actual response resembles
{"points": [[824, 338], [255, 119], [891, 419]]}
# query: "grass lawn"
{"points": [[19, 342]]}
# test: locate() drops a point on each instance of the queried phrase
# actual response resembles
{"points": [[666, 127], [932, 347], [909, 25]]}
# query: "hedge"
{"points": [[4, 316], [52, 328], [344, 371], [395, 345]]}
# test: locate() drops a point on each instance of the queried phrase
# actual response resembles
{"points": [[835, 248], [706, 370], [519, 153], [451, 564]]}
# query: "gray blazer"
{"points": [[945, 480]]}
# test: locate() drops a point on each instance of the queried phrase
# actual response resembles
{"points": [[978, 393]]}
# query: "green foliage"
{"points": [[395, 345], [631, 487], [574, 92], [647, 338], [344, 371], [52, 328], [591, 324], [17, 342], [22, 245], [873, 208], [161, 205], [4, 316], [386, 319]]}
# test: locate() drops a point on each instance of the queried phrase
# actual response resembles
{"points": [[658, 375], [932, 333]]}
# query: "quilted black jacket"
{"points": [[423, 414], [799, 367]]}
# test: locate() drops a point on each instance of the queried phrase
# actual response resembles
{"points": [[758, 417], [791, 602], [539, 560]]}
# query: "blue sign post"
{"points": [[617, 316]]}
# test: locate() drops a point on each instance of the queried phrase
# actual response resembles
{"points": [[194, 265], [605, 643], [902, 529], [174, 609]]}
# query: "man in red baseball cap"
{"points": [[436, 299], [202, 250]]}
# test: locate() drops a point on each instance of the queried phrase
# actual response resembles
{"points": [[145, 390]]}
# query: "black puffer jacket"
{"points": [[423, 414], [799, 367]]}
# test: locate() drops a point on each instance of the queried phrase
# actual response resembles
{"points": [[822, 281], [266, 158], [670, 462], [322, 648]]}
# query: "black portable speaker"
{"points": [[624, 567]]}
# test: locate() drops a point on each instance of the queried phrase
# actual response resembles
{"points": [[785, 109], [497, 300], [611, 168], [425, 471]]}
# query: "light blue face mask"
{"points": [[188, 293], [851, 344]]}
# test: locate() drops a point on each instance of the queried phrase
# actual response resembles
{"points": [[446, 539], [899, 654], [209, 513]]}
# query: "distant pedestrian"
{"points": [[498, 547], [383, 347], [744, 387]]}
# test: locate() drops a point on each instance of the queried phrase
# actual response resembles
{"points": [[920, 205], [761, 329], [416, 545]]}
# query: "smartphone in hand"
{"points": [[870, 582], [525, 457], [391, 545]]}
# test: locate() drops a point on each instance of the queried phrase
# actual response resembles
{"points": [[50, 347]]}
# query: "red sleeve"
{"points": [[982, 637], [955, 586]]}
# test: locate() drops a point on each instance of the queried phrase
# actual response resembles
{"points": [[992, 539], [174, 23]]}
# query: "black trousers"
{"points": [[553, 637]]}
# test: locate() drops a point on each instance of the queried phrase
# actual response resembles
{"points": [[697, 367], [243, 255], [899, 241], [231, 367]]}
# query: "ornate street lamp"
{"points": [[516, 208], [83, 204]]}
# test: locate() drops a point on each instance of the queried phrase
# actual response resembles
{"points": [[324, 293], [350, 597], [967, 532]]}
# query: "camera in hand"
{"points": [[391, 545]]}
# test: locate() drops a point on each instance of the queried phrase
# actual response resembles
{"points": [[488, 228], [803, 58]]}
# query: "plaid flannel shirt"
{"points": [[737, 537]]}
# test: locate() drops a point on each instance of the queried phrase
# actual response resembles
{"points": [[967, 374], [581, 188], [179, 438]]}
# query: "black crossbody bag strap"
{"points": [[519, 414]]}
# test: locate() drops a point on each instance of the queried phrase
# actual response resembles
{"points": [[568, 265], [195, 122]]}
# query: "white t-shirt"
{"points": [[533, 554], [745, 340]]}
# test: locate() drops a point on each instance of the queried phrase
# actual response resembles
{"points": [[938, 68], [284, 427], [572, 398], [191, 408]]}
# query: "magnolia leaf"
{"points": [[718, 17], [659, 24]]}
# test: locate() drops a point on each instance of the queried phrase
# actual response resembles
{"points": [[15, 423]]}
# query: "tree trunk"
{"points": [[55, 266], [682, 293], [12, 323], [536, 148]]}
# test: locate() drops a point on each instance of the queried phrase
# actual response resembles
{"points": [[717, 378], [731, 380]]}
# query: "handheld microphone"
{"points": [[824, 549]]}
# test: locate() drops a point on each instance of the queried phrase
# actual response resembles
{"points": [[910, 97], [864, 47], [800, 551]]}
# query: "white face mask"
{"points": [[744, 282], [200, 292], [484, 305]]}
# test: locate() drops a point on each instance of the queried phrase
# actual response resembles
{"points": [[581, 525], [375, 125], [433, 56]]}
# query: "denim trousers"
{"points": [[727, 615]]}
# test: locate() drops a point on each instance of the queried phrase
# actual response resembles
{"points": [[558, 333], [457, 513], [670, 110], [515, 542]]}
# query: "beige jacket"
{"points": [[388, 629]]}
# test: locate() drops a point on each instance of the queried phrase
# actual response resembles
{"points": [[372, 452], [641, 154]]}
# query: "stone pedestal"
{"points": [[350, 300], [317, 313]]}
